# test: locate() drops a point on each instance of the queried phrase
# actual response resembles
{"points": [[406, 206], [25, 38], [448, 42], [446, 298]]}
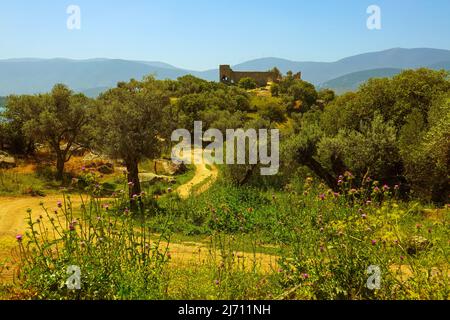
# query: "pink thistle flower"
{"points": [[59, 204], [19, 237]]}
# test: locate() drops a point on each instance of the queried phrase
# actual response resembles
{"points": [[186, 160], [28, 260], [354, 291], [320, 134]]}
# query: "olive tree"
{"points": [[59, 119], [130, 123]]}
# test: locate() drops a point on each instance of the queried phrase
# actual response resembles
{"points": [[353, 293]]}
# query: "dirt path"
{"points": [[13, 215], [205, 175]]}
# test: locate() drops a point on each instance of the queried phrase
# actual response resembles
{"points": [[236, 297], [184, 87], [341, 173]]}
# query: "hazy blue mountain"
{"points": [[25, 77], [320, 72], [92, 76], [445, 65], [352, 81]]}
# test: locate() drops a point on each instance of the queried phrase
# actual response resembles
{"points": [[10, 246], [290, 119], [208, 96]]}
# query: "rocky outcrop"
{"points": [[7, 161]]}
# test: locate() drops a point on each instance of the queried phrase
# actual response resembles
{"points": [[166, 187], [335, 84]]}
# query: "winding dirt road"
{"points": [[205, 175], [13, 210]]}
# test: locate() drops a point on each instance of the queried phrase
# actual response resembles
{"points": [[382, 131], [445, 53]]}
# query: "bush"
{"points": [[114, 253], [247, 83]]}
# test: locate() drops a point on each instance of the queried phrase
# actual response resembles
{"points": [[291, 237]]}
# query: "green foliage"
{"points": [[384, 130], [272, 112], [13, 183], [212, 106], [247, 83], [107, 247], [58, 119], [275, 89], [425, 148], [326, 95]]}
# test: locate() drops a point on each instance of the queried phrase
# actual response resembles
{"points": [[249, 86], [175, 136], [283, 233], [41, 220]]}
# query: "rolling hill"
{"points": [[92, 76], [352, 81]]}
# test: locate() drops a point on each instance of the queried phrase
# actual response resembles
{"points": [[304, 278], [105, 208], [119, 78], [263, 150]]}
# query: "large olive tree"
{"points": [[130, 123]]}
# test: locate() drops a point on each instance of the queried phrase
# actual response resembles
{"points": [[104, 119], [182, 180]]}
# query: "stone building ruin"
{"points": [[228, 76]]}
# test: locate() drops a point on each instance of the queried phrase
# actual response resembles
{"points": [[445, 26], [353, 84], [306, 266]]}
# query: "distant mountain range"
{"points": [[351, 81], [30, 75]]}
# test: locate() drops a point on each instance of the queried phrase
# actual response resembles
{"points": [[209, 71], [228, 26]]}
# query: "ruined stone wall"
{"points": [[227, 75]]}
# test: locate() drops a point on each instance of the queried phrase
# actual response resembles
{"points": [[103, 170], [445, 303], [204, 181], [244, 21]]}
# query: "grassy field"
{"points": [[230, 243]]}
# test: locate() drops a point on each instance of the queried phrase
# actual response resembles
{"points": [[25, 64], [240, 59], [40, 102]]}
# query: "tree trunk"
{"points": [[321, 172], [134, 185], [248, 175], [60, 162]]}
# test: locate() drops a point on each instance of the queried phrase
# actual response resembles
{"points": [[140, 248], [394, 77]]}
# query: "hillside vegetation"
{"points": [[363, 182]]}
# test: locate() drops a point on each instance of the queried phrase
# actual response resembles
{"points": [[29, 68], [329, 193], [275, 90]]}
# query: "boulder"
{"points": [[151, 178], [417, 244], [7, 161], [171, 168]]}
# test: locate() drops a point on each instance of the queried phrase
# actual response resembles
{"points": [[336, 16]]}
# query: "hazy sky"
{"points": [[200, 34]]}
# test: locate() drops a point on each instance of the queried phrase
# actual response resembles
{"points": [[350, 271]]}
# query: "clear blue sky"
{"points": [[200, 34]]}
